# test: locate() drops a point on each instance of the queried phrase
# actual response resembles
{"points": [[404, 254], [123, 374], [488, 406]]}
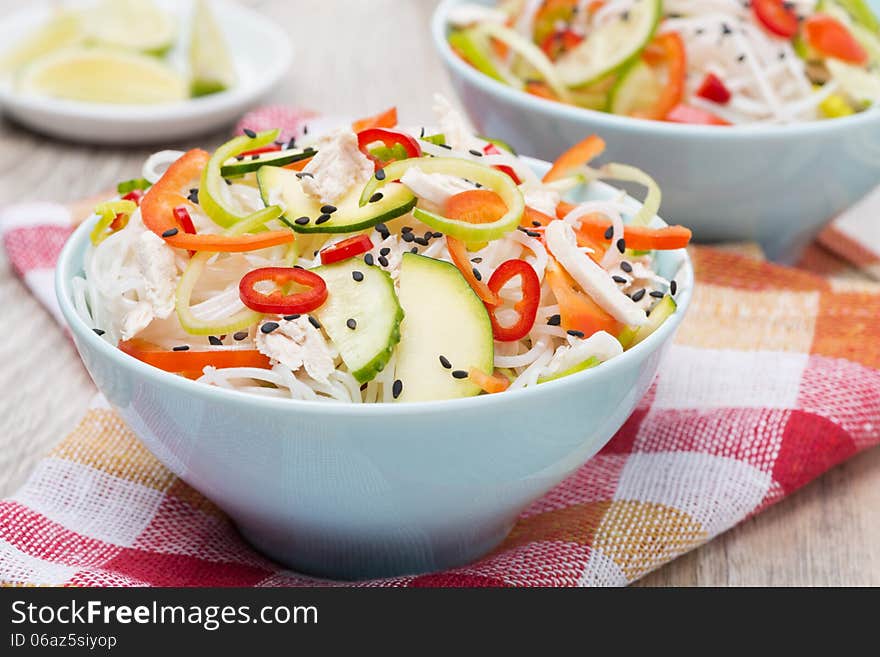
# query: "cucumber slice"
{"points": [[237, 168], [637, 88], [130, 25], [443, 318], [612, 46], [373, 306], [473, 46], [283, 187], [632, 335], [210, 62]]}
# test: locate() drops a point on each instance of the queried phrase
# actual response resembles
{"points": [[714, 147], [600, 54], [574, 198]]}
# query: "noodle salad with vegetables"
{"points": [[706, 62], [375, 264]]}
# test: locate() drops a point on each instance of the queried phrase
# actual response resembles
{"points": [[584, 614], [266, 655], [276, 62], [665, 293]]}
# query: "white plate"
{"points": [[260, 50]]}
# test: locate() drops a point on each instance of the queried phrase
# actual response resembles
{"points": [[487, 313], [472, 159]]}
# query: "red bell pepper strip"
{"points": [[492, 149], [271, 148], [346, 249], [526, 307], [459, 255], [191, 361], [386, 119], [694, 116], [490, 383], [186, 222], [577, 156], [389, 138], [577, 310], [714, 89], [669, 49], [831, 38], [279, 301], [157, 212], [559, 42], [776, 17], [134, 195]]}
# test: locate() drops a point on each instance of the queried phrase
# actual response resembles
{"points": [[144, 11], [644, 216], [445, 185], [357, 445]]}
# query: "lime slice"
{"points": [[637, 88], [611, 46], [60, 31], [103, 76], [211, 66], [130, 25]]}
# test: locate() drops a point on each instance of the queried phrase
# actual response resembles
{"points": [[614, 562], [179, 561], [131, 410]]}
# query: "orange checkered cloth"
{"points": [[773, 379]]}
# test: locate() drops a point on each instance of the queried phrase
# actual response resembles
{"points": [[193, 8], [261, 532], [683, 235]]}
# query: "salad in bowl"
{"points": [[705, 62], [375, 264]]}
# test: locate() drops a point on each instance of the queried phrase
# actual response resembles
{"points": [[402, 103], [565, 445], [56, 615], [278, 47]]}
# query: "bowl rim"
{"points": [[458, 67], [67, 265]]}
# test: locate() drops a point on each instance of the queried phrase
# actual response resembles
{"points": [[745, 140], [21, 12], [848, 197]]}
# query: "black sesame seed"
{"points": [[215, 341], [428, 235], [363, 387], [406, 229], [475, 153], [376, 197], [171, 232], [240, 335], [638, 296], [239, 158], [227, 181], [619, 279], [193, 196], [301, 221], [305, 129], [357, 275], [369, 259], [383, 260], [384, 251], [255, 156], [328, 209], [436, 235], [182, 347], [741, 58], [725, 29], [324, 218], [268, 327], [625, 266], [420, 240], [673, 288], [444, 361], [621, 245], [536, 224], [459, 374], [446, 146], [576, 334], [477, 274], [657, 294], [415, 249], [554, 320], [250, 133], [396, 388], [351, 323], [99, 331], [609, 233], [292, 143], [290, 318], [305, 174], [380, 174], [477, 260], [407, 237], [314, 322], [422, 132]]}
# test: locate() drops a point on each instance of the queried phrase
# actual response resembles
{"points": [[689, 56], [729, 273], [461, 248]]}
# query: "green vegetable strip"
{"points": [[213, 195]]}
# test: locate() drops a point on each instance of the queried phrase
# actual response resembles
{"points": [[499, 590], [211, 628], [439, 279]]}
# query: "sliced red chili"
{"points": [[281, 301], [271, 148], [134, 195], [346, 249], [714, 89], [527, 306], [777, 17], [186, 222], [389, 138], [492, 149]]}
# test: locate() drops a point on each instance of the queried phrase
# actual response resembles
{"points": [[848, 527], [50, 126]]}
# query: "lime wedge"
{"points": [[211, 66], [130, 25], [60, 31], [103, 76]]}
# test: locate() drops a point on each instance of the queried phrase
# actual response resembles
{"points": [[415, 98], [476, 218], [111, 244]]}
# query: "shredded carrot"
{"points": [[577, 310], [386, 119], [541, 90], [459, 255], [534, 219], [576, 156], [490, 383], [299, 165], [642, 238]]}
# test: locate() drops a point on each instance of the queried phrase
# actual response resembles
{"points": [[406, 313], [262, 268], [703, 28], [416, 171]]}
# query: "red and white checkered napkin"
{"points": [[773, 379]]}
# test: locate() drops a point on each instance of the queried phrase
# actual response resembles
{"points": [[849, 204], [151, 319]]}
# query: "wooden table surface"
{"points": [[358, 57]]}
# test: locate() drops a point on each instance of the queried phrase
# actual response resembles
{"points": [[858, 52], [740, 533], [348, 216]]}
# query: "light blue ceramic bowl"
{"points": [[357, 491], [773, 184]]}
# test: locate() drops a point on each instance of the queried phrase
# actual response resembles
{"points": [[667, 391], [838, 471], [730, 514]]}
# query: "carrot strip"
{"points": [[490, 383], [386, 119], [576, 156]]}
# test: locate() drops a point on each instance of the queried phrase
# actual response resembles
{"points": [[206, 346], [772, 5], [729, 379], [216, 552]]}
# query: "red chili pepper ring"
{"points": [[527, 306], [389, 138], [280, 301]]}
